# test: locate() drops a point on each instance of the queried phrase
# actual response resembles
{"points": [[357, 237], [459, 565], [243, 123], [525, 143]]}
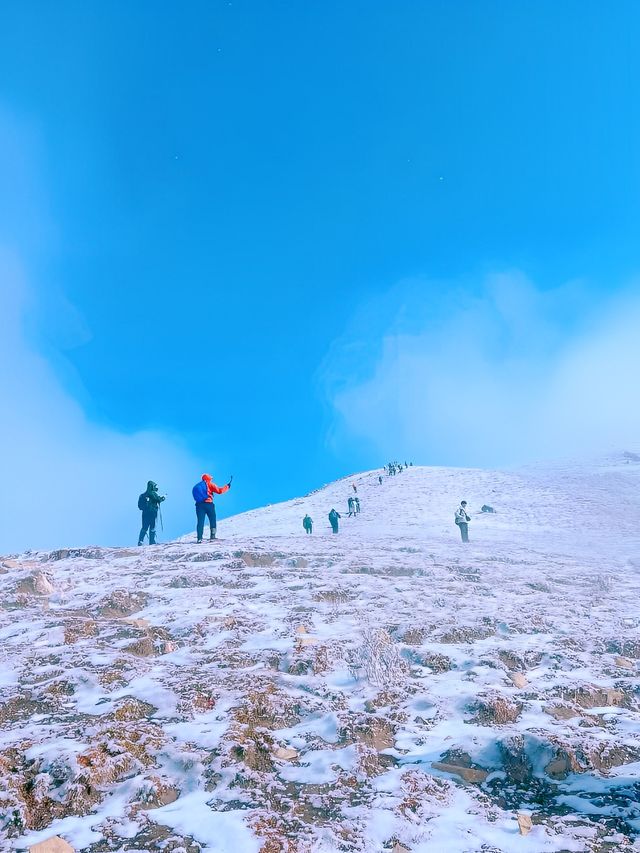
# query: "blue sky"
{"points": [[220, 218]]}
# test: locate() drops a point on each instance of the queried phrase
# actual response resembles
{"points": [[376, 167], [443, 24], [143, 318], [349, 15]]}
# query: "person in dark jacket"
{"points": [[307, 523], [149, 502], [352, 509], [333, 520]]}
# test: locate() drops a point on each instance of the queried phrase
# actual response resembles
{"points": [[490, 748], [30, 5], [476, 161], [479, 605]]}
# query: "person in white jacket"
{"points": [[462, 520]]}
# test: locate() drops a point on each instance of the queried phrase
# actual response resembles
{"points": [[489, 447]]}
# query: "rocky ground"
{"points": [[384, 689]]}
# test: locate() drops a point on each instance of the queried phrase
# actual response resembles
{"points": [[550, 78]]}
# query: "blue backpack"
{"points": [[200, 492]]}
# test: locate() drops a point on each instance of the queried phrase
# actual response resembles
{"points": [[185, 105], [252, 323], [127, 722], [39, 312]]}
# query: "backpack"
{"points": [[200, 492], [142, 501]]}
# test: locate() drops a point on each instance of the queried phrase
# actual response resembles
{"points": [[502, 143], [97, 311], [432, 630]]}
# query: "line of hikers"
{"points": [[203, 492], [150, 501], [396, 468]]}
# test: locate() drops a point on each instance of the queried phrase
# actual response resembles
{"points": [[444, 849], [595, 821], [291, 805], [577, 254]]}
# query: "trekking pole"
{"points": [[161, 524]]}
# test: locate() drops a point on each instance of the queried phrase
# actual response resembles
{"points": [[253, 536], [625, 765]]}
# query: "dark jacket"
{"points": [[150, 500]]}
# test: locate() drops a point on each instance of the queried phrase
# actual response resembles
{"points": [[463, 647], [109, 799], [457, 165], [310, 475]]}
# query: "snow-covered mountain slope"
{"points": [[572, 501], [388, 688]]}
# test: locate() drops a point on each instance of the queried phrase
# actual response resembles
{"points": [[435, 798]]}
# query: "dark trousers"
{"points": [[148, 524], [205, 510], [309, 529], [464, 531], [334, 527]]}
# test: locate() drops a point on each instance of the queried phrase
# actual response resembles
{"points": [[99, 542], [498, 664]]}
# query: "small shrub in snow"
{"points": [[379, 660]]}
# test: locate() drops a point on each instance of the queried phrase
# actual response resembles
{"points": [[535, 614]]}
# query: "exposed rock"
{"points": [[257, 560], [459, 763], [518, 679], [467, 633], [436, 662], [608, 755], [303, 638], [376, 733], [79, 629], [75, 553], [624, 663], [495, 711], [121, 603], [156, 793], [131, 709], [561, 712], [524, 823], [11, 563], [155, 642], [469, 774], [565, 761], [143, 624], [596, 697], [55, 844], [39, 583], [285, 753]]}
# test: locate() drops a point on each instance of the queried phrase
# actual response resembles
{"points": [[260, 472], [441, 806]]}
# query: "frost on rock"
{"points": [[385, 689]]}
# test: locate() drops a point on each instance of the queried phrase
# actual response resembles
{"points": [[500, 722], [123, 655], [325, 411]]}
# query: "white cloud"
{"points": [[66, 480], [495, 373]]}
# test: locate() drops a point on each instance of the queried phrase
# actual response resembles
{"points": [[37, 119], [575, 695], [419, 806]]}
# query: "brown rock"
{"points": [[469, 774], [518, 679], [563, 763], [624, 663], [55, 844], [38, 584], [495, 711], [303, 637], [561, 712], [524, 824], [596, 697], [144, 624], [285, 753]]}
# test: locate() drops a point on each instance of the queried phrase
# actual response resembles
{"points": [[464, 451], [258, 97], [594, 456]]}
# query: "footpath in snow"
{"points": [[385, 689]]}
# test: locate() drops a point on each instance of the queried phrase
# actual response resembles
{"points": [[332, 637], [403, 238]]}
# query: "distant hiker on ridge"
{"points": [[462, 520], [307, 523], [149, 502], [355, 488], [333, 520], [352, 509], [203, 493], [380, 480], [356, 501]]}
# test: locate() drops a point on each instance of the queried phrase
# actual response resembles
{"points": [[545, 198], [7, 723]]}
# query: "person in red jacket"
{"points": [[203, 493]]}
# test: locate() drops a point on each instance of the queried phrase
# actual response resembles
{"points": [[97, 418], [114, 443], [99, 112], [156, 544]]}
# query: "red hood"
{"points": [[207, 478]]}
